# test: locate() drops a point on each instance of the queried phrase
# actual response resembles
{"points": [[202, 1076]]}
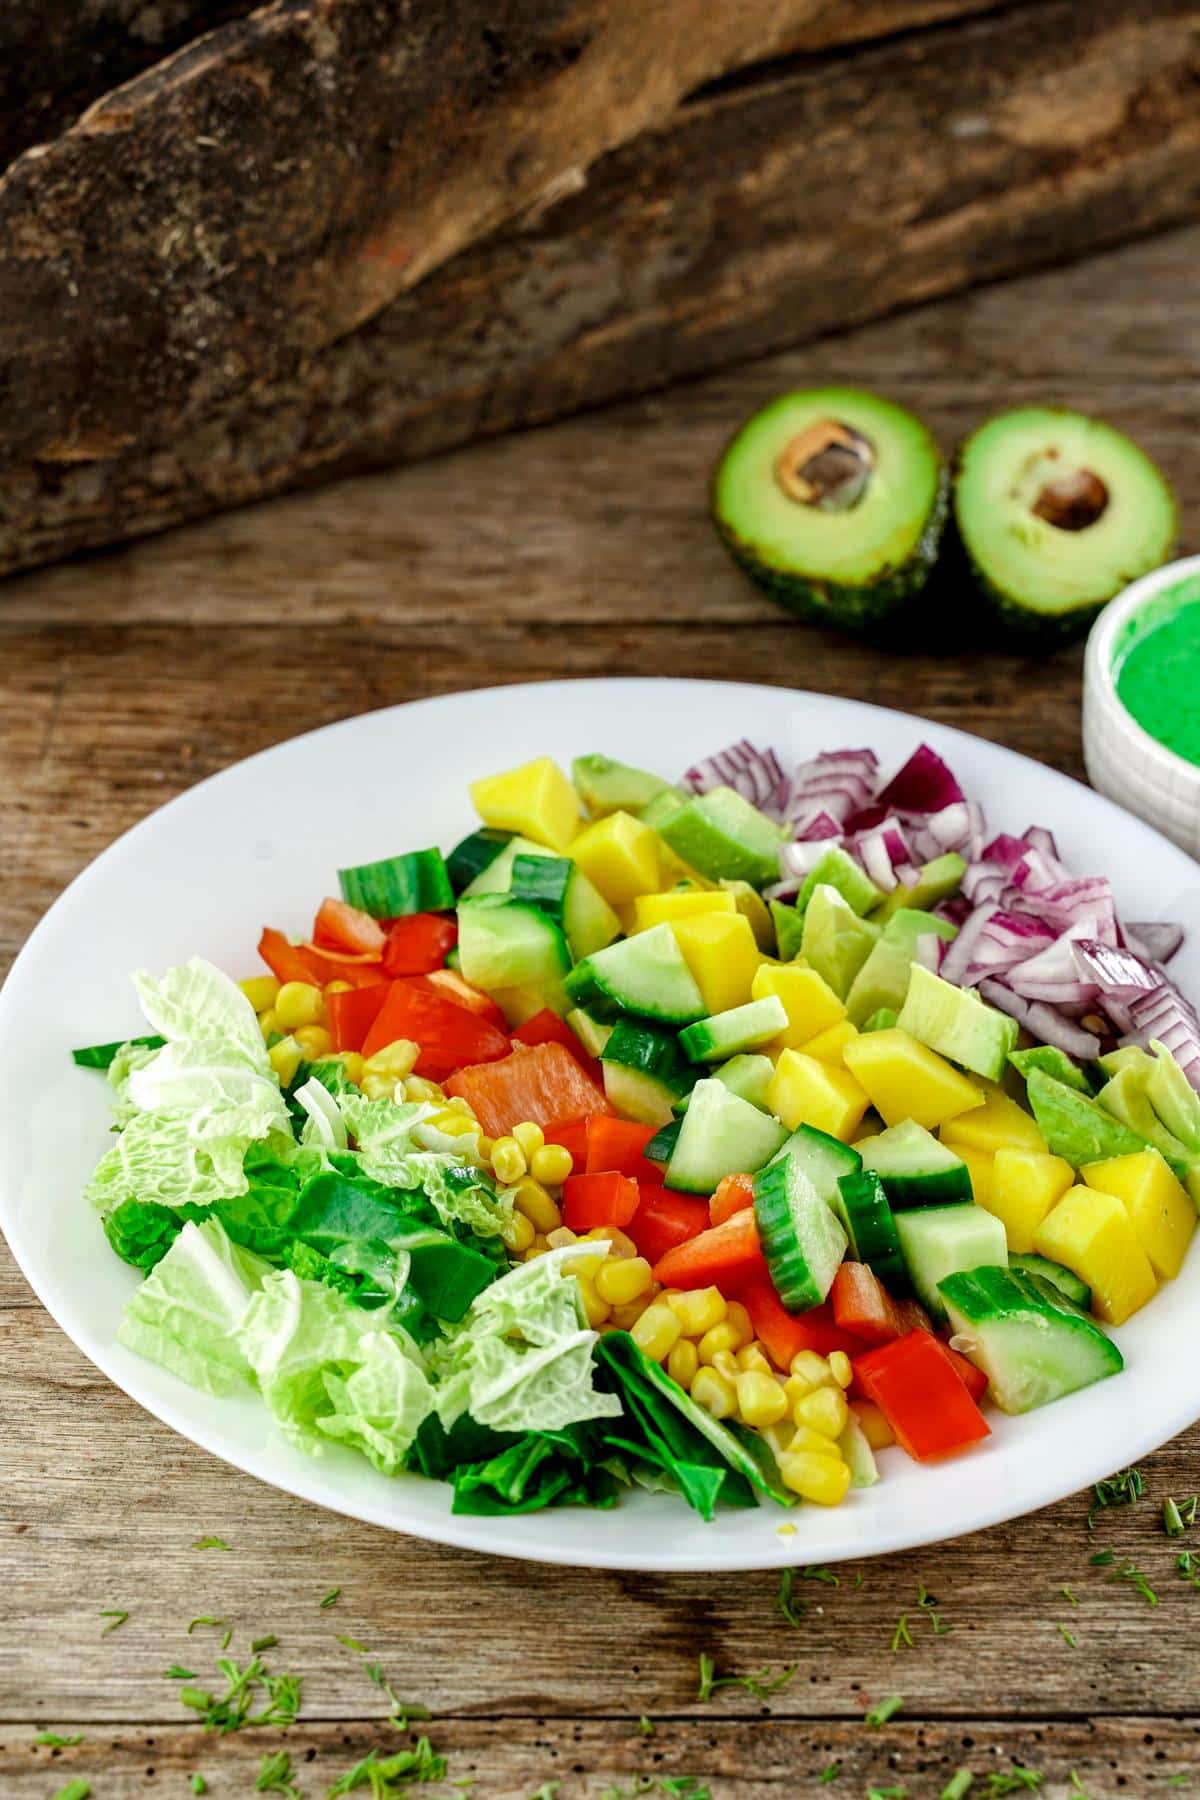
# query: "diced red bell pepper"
{"points": [[589, 1201], [664, 1220], [419, 943], [352, 1014], [618, 1144], [340, 926], [282, 958], [451, 986], [336, 965], [921, 1395], [785, 1334], [572, 1135], [538, 1084], [723, 1256], [974, 1379], [862, 1305], [734, 1193], [546, 1027], [449, 1036]]}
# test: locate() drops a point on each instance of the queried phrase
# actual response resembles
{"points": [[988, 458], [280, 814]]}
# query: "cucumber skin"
{"points": [[850, 608], [1011, 1298], [797, 1290]]}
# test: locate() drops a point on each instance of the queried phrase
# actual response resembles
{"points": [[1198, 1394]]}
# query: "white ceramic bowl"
{"points": [[1124, 761]]}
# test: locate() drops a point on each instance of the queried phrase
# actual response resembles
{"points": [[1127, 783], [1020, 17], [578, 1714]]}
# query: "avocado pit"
{"points": [[1072, 501], [827, 465]]}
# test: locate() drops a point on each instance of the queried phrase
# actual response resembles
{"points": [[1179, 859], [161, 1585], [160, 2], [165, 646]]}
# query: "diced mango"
{"points": [[1092, 1234], [829, 1045], [619, 855], [751, 904], [996, 1125], [680, 903], [809, 1002], [907, 1080], [720, 950], [803, 1091], [981, 1167], [1025, 1185], [535, 800], [1159, 1209]]}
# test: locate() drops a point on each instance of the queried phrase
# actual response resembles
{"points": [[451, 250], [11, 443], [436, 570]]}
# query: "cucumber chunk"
{"points": [[916, 1170], [645, 974], [644, 1071], [593, 1034], [475, 853], [1031, 1343], [723, 1034], [862, 1206], [944, 1240], [823, 1158], [747, 1076], [1065, 1280], [661, 1147], [506, 944], [415, 882], [802, 1239], [720, 1134], [957, 1024], [531, 872]]}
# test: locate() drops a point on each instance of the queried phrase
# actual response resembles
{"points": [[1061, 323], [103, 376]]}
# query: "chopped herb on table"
{"points": [[275, 1776], [788, 1604], [1121, 1489], [118, 1619], [1067, 1637], [330, 1598], [76, 1789], [205, 1619], [928, 1605], [760, 1685], [1067, 1594], [1179, 1514], [829, 1773], [886, 1709], [211, 1543], [177, 1673], [55, 1740], [1136, 1579], [199, 1785], [646, 1726], [264, 1643], [1015, 1780], [389, 1777], [897, 1792], [901, 1635], [959, 1785]]}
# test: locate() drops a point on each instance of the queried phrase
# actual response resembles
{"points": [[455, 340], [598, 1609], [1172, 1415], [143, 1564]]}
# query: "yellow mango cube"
{"points": [[981, 1167], [535, 800], [996, 1125], [830, 1045], [1092, 1234], [907, 1080], [1025, 1185], [803, 1091], [619, 855], [809, 1002], [751, 904], [680, 903], [1160, 1210], [720, 950]]}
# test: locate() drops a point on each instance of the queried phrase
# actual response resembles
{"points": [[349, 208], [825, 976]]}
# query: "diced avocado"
{"points": [[1076, 1127], [747, 1076], [1125, 1097], [834, 501], [606, 786], [585, 915], [882, 1019], [882, 981], [645, 975], [1129, 1057], [1064, 1279], [1174, 1098], [1051, 1061], [839, 870], [722, 836], [1057, 513], [722, 1035], [644, 1071], [663, 806], [944, 1240], [1030, 1342], [753, 908], [593, 1034], [835, 941], [789, 930], [955, 1022], [505, 944], [936, 881], [720, 1134], [908, 924]]}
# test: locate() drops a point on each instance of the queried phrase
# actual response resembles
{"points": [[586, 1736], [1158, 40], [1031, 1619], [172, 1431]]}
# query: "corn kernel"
{"points": [[656, 1332], [508, 1160], [699, 1310], [353, 1064], [531, 1137], [797, 1388], [398, 1059], [560, 1237], [416, 1087], [811, 1368], [583, 1265], [840, 1369], [299, 1003], [683, 1362], [711, 1391], [551, 1164], [597, 1310], [314, 1040], [337, 987], [725, 1363], [873, 1425], [532, 1199], [760, 1398], [380, 1087], [518, 1233], [753, 1356], [717, 1338], [268, 1023], [539, 1246], [781, 1436], [624, 1279], [486, 1146], [813, 1443], [453, 1124], [825, 1410], [626, 1317], [613, 1235], [260, 991], [823, 1479], [285, 1058], [739, 1318]]}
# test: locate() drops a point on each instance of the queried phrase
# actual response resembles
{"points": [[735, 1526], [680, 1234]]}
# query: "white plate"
{"points": [[260, 843]]}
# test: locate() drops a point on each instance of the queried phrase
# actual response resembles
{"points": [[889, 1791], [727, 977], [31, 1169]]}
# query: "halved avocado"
{"points": [[1057, 513], [834, 501]]}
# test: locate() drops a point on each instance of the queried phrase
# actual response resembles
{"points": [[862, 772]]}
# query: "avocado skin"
{"points": [[859, 608]]}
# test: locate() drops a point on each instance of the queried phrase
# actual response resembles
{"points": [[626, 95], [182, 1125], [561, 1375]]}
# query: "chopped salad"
{"points": [[707, 1137]]}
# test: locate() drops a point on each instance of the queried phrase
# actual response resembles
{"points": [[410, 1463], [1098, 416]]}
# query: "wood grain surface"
{"points": [[580, 549]]}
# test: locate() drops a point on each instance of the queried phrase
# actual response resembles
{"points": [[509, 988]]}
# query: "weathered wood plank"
{"points": [[839, 191], [1110, 1759]]}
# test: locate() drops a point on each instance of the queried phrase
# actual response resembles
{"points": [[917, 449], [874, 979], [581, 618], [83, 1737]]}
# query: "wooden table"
{"points": [[581, 550]]}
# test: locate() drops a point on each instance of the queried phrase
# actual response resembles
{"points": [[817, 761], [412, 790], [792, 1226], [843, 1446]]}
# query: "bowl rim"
{"points": [[1098, 662]]}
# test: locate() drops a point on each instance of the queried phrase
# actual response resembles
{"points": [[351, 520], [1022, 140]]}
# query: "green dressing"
{"points": [[1157, 664]]}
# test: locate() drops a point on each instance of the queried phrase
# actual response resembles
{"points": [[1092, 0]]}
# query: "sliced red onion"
{"points": [[871, 848], [955, 910], [1038, 838], [1041, 1021], [818, 825], [961, 954], [1005, 850], [923, 785], [930, 950], [798, 860], [755, 774], [840, 781], [1166, 1016], [1155, 939]]}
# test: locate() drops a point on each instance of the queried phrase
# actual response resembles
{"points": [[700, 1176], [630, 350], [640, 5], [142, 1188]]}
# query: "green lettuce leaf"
{"points": [[187, 1313], [141, 1231], [390, 1139], [521, 1359], [540, 1469], [196, 1003]]}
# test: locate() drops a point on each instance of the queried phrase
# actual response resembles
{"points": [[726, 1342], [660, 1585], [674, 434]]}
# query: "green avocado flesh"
{"points": [[834, 501], [1057, 513]]}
